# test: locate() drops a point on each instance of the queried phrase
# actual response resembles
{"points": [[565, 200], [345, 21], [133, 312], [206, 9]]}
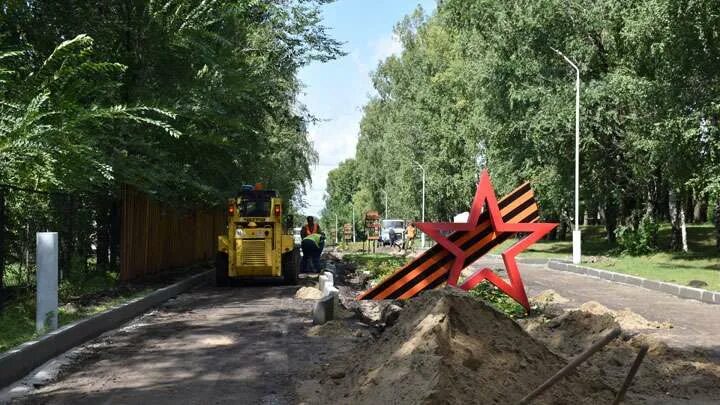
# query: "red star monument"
{"points": [[535, 231]]}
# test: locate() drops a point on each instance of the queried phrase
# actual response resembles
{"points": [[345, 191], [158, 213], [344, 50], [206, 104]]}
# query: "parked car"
{"points": [[397, 225]]}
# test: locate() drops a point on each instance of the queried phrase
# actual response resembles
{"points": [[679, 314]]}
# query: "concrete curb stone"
{"points": [[534, 261], [698, 294], [18, 362]]}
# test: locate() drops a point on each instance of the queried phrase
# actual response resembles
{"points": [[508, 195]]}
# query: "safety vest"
{"points": [[307, 229], [315, 237]]}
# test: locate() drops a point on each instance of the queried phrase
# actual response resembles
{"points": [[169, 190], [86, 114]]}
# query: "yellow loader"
{"points": [[258, 244]]}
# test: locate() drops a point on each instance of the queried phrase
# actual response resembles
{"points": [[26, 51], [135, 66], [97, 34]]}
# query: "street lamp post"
{"points": [[386, 199], [576, 232], [422, 236]]}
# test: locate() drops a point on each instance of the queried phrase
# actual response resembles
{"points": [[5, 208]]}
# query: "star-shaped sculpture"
{"points": [[486, 194]]}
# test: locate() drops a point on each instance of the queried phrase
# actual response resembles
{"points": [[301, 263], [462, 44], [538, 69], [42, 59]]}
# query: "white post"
{"points": [[385, 214], [353, 222], [46, 314], [422, 235], [577, 253]]}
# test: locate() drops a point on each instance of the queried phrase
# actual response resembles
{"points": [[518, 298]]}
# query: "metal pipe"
{"points": [[570, 367], [631, 374]]}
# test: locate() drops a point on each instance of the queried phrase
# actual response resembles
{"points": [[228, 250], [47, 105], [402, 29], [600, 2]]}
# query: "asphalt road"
{"points": [[695, 324], [208, 346]]}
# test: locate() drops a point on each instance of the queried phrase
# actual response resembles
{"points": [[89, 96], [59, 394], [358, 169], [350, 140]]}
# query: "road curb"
{"points": [[698, 294], [18, 362], [524, 260]]}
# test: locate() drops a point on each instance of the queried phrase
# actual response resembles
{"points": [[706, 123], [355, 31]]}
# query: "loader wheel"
{"points": [[221, 269], [291, 266]]}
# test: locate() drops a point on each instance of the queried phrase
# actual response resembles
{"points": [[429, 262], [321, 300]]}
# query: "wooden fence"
{"points": [[156, 237]]}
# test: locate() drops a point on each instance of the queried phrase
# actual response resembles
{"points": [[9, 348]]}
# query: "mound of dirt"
{"points": [[447, 347], [308, 293], [667, 375], [549, 297], [627, 319]]}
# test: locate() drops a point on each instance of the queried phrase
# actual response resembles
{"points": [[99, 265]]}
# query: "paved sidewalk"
{"points": [[695, 324]]}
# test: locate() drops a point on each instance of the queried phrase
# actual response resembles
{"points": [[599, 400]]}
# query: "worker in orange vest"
{"points": [[310, 228], [313, 242]]}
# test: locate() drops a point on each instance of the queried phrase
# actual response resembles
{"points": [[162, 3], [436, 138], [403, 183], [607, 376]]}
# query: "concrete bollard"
{"points": [[330, 277], [325, 308], [46, 314], [328, 288], [322, 283]]}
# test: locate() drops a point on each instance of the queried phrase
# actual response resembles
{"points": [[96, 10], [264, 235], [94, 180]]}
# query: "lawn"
{"points": [[379, 265], [701, 263], [17, 320], [86, 294]]}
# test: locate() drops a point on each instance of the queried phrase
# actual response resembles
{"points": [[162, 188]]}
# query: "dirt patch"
{"points": [[666, 376], [308, 293], [447, 347], [549, 297], [627, 319]]}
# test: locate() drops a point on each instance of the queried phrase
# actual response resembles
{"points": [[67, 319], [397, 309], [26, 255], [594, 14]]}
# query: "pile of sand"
{"points": [[627, 319], [549, 297], [308, 293], [448, 347], [667, 375]]}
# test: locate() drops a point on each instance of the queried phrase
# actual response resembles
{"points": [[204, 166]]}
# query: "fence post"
{"points": [[46, 315]]}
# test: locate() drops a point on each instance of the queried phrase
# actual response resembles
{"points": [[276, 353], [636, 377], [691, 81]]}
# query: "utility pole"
{"points": [[422, 235], [577, 255]]}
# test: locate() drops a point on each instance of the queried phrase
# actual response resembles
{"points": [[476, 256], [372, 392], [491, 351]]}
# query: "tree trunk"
{"points": [[115, 224], [102, 232], [562, 232], [678, 234], [66, 233], [717, 223], [689, 206], [700, 211], [611, 217], [662, 204]]}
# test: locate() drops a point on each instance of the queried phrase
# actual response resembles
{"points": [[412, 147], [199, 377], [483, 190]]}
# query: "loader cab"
{"points": [[255, 203]]}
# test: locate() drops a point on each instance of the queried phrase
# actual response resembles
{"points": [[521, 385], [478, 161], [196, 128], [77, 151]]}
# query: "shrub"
{"points": [[639, 240], [498, 299]]}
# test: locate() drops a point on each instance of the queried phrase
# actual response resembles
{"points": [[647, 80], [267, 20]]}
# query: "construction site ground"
{"points": [[694, 324], [257, 344]]}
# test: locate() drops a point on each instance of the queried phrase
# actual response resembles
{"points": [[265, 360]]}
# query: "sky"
{"points": [[336, 91]]}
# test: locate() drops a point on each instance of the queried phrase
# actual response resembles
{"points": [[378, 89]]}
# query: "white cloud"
{"points": [[386, 46], [336, 137], [335, 141]]}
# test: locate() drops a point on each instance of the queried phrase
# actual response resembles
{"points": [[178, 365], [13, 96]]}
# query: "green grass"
{"points": [[379, 265], [84, 294], [17, 320], [702, 262]]}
